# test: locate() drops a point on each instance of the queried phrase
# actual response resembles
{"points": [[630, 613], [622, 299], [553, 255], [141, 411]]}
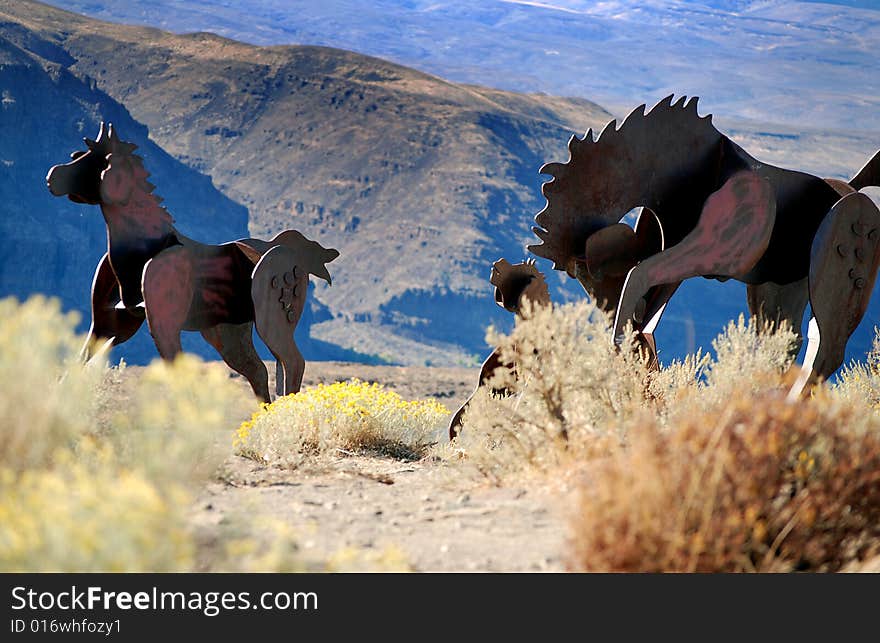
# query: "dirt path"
{"points": [[437, 520]]}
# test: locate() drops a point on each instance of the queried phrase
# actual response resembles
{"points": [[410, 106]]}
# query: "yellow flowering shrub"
{"points": [[44, 403], [174, 424], [349, 416], [91, 515], [261, 544], [98, 480]]}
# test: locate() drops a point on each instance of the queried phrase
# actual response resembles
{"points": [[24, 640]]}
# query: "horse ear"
{"points": [[117, 181]]}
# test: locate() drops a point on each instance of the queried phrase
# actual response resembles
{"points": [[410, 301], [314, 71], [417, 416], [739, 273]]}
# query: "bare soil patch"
{"points": [[439, 516]]}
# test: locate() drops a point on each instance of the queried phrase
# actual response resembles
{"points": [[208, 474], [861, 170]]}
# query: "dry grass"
{"points": [[755, 485], [340, 418], [702, 466]]}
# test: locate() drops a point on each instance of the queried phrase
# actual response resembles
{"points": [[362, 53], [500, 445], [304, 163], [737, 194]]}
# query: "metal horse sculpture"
{"points": [[514, 284], [152, 272], [709, 209]]}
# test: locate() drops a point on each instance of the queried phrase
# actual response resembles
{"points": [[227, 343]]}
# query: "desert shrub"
{"points": [[257, 544], [756, 485], [350, 416], [748, 355], [577, 394], [44, 404], [859, 383], [90, 481], [173, 425], [574, 390], [250, 542], [90, 515]]}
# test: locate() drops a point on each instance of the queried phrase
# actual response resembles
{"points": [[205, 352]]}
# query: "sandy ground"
{"points": [[437, 518]]}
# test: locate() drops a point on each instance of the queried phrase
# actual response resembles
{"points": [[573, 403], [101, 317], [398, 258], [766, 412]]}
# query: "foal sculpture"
{"points": [[152, 272], [514, 284], [710, 209]]}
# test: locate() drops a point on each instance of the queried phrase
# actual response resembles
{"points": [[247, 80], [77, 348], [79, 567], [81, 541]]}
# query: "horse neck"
{"points": [[654, 166], [141, 221]]}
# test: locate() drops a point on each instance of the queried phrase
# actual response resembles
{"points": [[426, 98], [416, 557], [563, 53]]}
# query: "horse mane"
{"points": [[623, 167], [124, 151]]}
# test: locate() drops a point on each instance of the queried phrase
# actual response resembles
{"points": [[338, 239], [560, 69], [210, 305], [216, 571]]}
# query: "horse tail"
{"points": [[311, 255], [869, 175]]}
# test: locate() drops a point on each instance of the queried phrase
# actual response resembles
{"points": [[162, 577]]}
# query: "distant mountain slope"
{"points": [[807, 64], [52, 245], [420, 183]]}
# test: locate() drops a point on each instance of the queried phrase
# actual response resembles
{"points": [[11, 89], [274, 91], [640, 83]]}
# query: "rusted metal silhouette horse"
{"points": [[709, 209], [153, 272], [514, 284]]}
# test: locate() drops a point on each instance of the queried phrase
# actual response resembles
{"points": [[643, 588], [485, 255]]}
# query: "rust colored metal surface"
{"points": [[719, 214], [846, 255], [776, 305], [719, 245], [278, 290], [109, 320], [514, 284], [152, 272]]}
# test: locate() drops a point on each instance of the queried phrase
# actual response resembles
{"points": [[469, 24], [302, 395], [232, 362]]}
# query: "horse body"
{"points": [[708, 209], [152, 272]]}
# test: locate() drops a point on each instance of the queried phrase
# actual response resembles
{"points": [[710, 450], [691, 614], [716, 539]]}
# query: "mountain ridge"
{"points": [[424, 181], [785, 61]]}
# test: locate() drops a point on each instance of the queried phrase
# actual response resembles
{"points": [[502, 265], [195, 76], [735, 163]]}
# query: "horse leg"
{"points": [[109, 323], [647, 316], [733, 232], [492, 364], [844, 259], [776, 304], [235, 344], [167, 286], [292, 367], [279, 289]]}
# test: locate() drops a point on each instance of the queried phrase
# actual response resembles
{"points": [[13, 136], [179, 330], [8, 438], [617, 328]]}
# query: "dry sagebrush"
{"points": [[578, 395], [575, 392], [756, 485], [702, 466], [43, 404]]}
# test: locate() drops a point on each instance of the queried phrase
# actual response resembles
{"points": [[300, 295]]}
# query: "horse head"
{"points": [[513, 282], [93, 175], [640, 163]]}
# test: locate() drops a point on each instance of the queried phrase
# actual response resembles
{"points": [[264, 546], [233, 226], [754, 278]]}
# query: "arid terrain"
{"points": [[439, 518]]}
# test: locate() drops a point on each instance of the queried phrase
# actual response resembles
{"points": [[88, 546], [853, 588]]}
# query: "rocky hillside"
{"points": [[52, 245], [420, 183]]}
